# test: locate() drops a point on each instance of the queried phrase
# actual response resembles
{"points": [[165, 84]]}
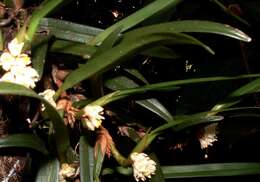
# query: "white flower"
{"points": [[26, 76], [14, 47], [48, 95], [93, 116], [7, 61], [209, 135], [66, 171], [143, 166], [13, 57]]}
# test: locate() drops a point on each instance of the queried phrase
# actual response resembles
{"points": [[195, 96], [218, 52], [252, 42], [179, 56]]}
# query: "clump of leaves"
{"points": [[70, 116]]}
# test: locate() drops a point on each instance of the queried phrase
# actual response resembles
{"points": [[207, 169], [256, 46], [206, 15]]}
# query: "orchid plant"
{"points": [[28, 71]]}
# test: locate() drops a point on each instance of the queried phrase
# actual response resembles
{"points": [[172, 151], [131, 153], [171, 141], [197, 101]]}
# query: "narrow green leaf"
{"points": [[233, 98], [49, 171], [251, 87], [98, 164], [199, 26], [153, 105], [96, 81], [162, 52], [198, 170], [120, 53], [39, 52], [211, 170], [61, 133], [68, 30], [156, 107], [109, 42], [42, 10], [86, 155], [156, 7], [23, 140], [135, 73], [119, 94], [74, 48]]}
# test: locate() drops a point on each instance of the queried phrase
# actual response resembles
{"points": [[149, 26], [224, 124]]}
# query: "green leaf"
{"points": [[233, 98], [39, 52], [187, 26], [23, 140], [156, 7], [249, 88], [135, 73], [98, 164], [119, 94], [86, 155], [162, 52], [96, 81], [61, 133], [68, 30], [86, 51], [43, 9], [210, 170], [122, 52], [74, 48], [108, 42], [153, 105], [49, 171]]}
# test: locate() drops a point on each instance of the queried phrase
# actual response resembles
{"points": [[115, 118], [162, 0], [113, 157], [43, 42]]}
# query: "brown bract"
{"points": [[104, 141]]}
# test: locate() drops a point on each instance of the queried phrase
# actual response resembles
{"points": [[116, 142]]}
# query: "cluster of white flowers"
{"points": [[48, 95], [209, 136], [93, 116], [143, 166], [17, 66]]}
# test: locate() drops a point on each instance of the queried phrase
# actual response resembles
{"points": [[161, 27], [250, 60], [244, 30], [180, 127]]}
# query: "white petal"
{"points": [[8, 77], [90, 125], [7, 61], [14, 47], [143, 166], [93, 116]]}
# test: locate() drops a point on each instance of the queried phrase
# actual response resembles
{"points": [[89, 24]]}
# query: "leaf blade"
{"points": [[139, 16], [23, 140], [86, 160], [211, 170], [49, 171], [61, 133], [120, 53]]}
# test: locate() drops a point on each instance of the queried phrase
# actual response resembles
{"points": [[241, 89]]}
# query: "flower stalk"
{"points": [[119, 157]]}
